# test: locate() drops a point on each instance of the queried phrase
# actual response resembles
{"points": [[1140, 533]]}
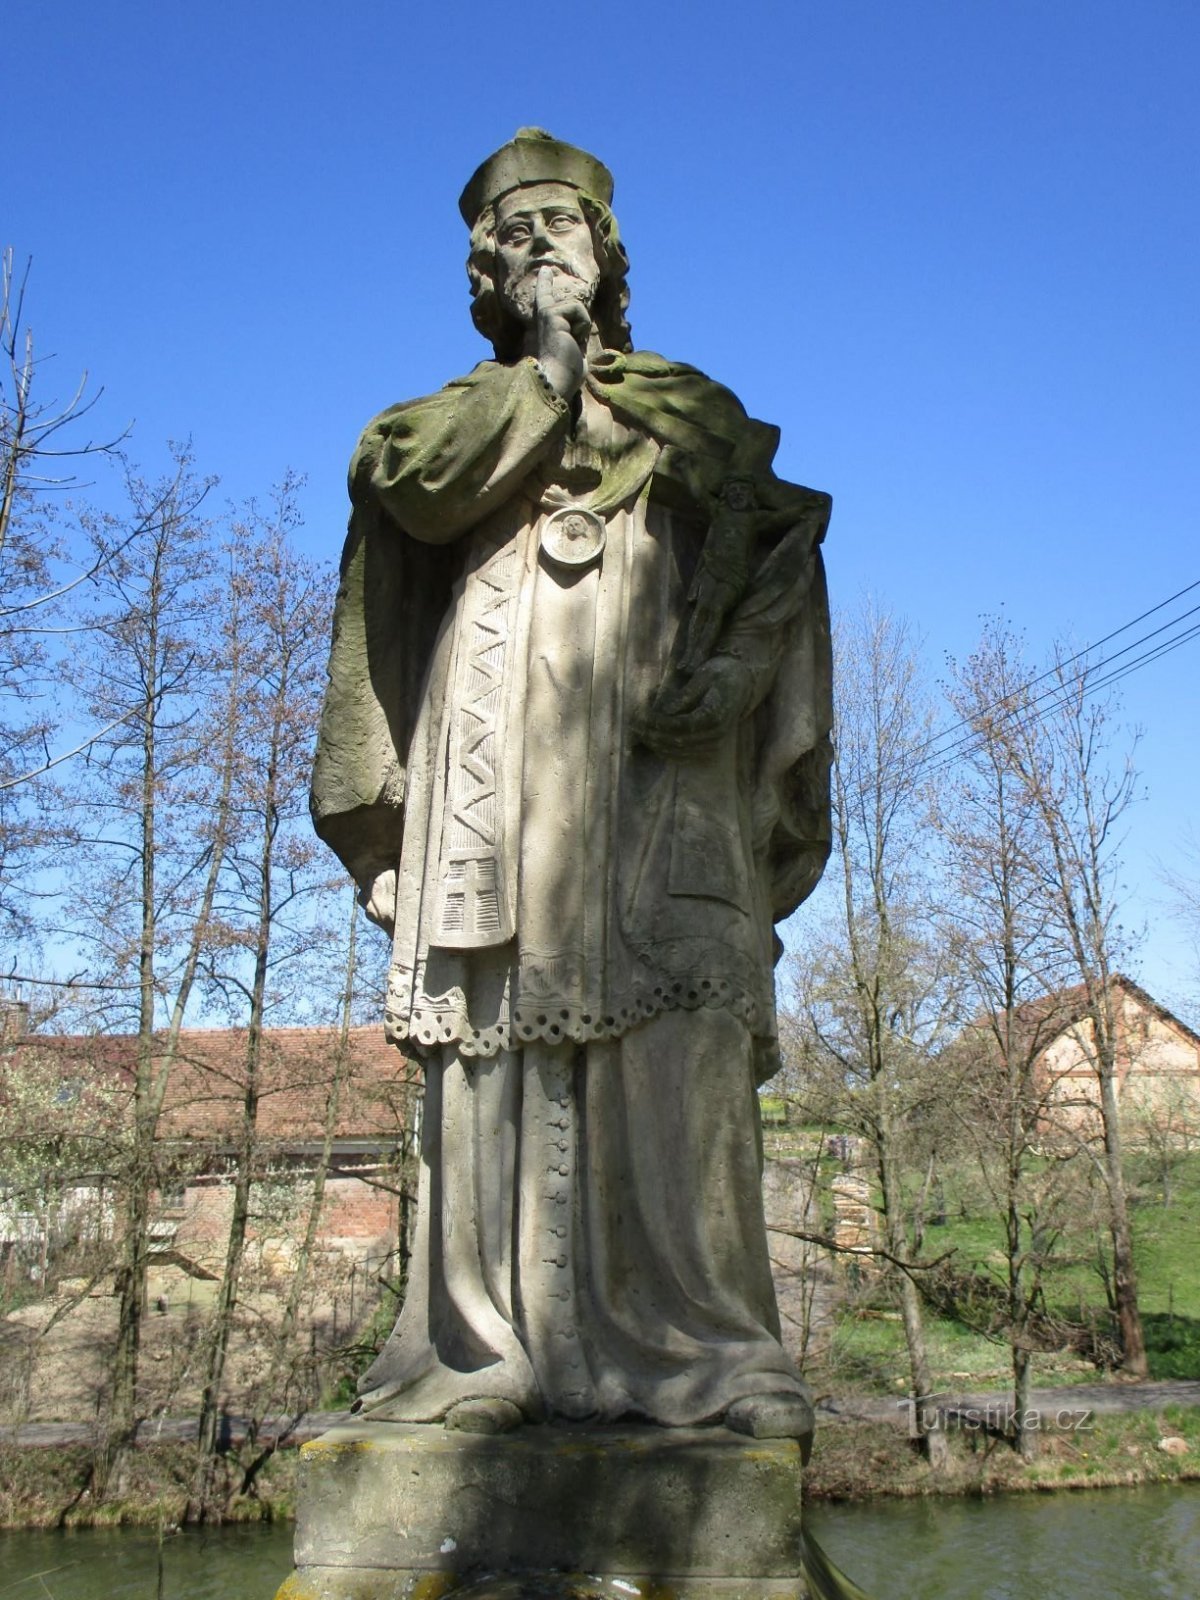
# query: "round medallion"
{"points": [[573, 536]]}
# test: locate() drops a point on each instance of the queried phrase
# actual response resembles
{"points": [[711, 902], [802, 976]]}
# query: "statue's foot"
{"points": [[484, 1415], [375, 1401], [774, 1416]]}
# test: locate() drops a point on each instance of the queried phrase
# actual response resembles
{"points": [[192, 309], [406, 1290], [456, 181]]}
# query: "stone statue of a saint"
{"points": [[579, 807]]}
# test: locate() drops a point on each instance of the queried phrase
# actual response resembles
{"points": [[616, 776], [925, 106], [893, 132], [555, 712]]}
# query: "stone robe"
{"points": [[584, 945]]}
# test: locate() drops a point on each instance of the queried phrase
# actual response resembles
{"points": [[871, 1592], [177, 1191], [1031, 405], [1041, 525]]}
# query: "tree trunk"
{"points": [[1125, 1294], [153, 652], [208, 1431], [1025, 1437], [227, 1297], [286, 1332], [121, 1422], [262, 903], [122, 1419], [926, 1422]]}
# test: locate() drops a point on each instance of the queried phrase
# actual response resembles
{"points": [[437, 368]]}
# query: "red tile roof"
{"points": [[1040, 1022], [207, 1080]]}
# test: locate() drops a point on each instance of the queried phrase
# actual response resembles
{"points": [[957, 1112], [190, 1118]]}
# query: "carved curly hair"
{"points": [[504, 332]]}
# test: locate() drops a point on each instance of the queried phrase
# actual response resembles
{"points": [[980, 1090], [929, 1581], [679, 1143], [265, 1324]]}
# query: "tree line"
{"points": [[161, 669], [972, 914]]}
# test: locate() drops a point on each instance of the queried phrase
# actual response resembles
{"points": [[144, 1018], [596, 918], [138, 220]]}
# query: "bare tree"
{"points": [[40, 442], [1067, 803], [261, 963], [37, 437], [1015, 967], [333, 1071], [1082, 799], [876, 996], [141, 877]]}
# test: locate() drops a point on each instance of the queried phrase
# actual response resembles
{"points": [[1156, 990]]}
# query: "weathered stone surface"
{"points": [[387, 1507], [575, 753], [364, 1583]]}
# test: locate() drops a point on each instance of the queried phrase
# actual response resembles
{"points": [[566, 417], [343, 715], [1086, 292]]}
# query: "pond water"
{"points": [[1107, 1544], [122, 1564], [1100, 1544]]}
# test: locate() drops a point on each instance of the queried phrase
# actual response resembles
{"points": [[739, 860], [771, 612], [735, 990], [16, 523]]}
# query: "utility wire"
{"points": [[1058, 694], [939, 758], [1163, 649], [1086, 651]]}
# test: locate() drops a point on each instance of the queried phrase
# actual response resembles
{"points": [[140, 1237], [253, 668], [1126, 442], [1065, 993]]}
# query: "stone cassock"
{"points": [[579, 847]]}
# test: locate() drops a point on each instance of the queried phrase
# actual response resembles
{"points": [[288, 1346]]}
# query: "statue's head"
{"points": [[535, 203]]}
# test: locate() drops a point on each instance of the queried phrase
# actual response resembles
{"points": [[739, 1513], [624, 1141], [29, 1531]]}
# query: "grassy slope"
{"points": [[858, 1461], [867, 1352]]}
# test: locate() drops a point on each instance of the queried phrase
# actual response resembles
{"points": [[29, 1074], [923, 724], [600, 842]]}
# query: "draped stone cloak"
{"points": [[557, 879]]}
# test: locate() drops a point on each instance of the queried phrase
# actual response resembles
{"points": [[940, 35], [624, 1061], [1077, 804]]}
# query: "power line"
{"points": [[1086, 651], [1156, 654], [949, 753], [1058, 693]]}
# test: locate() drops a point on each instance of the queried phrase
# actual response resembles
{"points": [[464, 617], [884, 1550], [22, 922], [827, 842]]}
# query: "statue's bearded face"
{"points": [[539, 226]]}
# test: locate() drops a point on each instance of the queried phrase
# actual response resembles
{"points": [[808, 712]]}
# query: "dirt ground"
{"points": [[56, 1354]]}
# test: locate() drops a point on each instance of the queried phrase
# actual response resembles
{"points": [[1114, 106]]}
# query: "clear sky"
{"points": [[950, 246]]}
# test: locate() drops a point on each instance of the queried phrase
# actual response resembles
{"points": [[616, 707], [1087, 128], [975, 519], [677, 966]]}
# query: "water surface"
{"points": [[248, 1563], [1105, 1544], [1098, 1544]]}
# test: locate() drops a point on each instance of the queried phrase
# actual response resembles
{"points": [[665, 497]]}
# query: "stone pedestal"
{"points": [[391, 1511]]}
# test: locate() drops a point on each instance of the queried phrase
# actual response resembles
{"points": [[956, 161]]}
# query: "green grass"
{"points": [[1172, 1345], [1164, 1243], [1165, 1239], [868, 1352]]}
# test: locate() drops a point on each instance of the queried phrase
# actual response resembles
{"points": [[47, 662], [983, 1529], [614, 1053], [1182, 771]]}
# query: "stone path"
{"points": [[1107, 1398], [177, 1430]]}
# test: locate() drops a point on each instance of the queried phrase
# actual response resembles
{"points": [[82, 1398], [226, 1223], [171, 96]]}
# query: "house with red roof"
{"points": [[347, 1106], [1157, 1065], [1157, 1062]]}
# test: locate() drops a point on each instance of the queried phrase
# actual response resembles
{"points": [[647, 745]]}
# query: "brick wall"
{"points": [[358, 1222]]}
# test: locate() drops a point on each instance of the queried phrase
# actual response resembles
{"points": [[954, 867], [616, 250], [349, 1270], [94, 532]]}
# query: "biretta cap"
{"points": [[533, 156]]}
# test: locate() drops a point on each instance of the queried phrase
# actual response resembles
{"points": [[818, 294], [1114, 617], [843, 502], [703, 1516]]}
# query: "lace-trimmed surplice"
{"points": [[542, 848]]}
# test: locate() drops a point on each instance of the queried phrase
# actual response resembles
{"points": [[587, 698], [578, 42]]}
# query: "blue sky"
{"points": [[950, 246]]}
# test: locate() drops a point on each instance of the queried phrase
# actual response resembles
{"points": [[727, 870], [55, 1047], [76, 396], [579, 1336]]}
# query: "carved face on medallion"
{"points": [[542, 225]]}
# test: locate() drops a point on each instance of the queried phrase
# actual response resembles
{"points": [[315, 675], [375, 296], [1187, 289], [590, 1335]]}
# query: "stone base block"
{"points": [[392, 1511]]}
